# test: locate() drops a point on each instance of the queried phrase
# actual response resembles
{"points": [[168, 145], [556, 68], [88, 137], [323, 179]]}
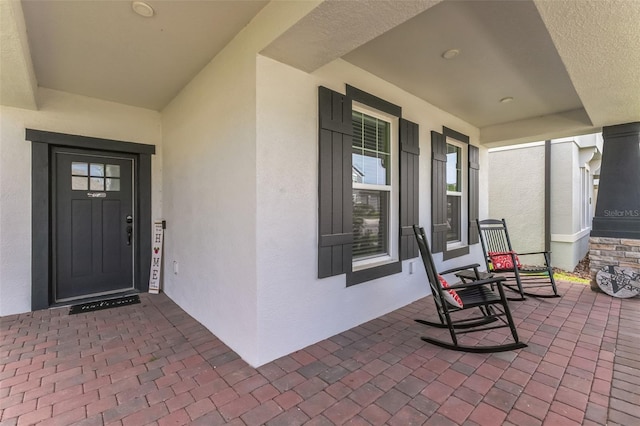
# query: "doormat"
{"points": [[104, 304]]}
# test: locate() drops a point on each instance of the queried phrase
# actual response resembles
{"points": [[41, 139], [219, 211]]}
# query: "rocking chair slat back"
{"points": [[496, 240], [494, 237]]}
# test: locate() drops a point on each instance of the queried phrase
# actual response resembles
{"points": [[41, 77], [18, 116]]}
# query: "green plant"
{"points": [[564, 276]]}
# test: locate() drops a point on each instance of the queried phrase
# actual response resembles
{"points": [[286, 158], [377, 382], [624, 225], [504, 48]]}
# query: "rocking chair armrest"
{"points": [[494, 280], [460, 268], [533, 252]]}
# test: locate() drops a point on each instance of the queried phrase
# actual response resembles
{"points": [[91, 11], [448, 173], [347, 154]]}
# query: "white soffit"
{"points": [[599, 42], [335, 28], [552, 126], [505, 51], [18, 85], [103, 49]]}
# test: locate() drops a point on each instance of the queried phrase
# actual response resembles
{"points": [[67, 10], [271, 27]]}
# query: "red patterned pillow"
{"points": [[503, 261], [450, 295]]}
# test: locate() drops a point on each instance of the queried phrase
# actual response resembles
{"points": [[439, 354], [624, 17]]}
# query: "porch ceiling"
{"points": [[102, 49], [571, 66]]}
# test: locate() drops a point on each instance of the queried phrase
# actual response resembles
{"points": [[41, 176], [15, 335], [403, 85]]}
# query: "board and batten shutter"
{"points": [[474, 193], [409, 187], [335, 210], [438, 192]]}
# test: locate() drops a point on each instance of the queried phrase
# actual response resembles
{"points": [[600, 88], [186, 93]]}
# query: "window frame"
{"points": [[585, 198], [392, 189], [362, 272], [463, 194], [439, 224]]}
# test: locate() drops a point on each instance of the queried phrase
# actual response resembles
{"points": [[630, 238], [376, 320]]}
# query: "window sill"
{"points": [[455, 245], [455, 252], [370, 273], [373, 262]]}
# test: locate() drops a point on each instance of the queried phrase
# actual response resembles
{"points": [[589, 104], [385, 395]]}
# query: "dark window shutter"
{"points": [[409, 190], [474, 193], [438, 192], [334, 184]]}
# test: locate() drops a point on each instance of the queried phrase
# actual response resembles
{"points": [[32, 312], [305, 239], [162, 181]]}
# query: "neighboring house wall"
{"points": [[522, 201], [64, 113], [574, 161], [516, 193], [565, 208]]}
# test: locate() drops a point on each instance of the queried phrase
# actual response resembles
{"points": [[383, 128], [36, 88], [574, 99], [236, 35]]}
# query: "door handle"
{"points": [[129, 232]]}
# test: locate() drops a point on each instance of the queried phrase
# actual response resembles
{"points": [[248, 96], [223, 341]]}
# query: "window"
{"points": [[454, 192], [585, 198], [95, 177], [374, 188], [368, 186], [456, 174]]}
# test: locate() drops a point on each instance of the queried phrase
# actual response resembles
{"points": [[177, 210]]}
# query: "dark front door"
{"points": [[93, 241]]}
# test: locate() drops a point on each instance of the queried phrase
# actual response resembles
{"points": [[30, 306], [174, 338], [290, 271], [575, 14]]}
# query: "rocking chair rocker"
{"points": [[492, 305], [501, 259]]}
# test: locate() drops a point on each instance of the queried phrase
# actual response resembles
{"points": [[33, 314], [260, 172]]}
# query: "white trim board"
{"points": [[570, 238]]}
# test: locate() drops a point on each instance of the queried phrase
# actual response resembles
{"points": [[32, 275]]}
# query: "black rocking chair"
{"points": [[501, 259], [487, 295]]}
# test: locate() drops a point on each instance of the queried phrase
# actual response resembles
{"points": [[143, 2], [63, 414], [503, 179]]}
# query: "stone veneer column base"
{"points": [[604, 251]]}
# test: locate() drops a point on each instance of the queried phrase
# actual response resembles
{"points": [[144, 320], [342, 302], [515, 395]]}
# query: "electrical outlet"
{"points": [[175, 267]]}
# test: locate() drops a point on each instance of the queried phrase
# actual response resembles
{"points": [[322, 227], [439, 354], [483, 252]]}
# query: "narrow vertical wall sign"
{"points": [[156, 257]]}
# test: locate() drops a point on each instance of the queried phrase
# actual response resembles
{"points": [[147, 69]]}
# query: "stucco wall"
{"points": [[209, 134], [516, 193], [210, 199], [63, 113], [294, 307]]}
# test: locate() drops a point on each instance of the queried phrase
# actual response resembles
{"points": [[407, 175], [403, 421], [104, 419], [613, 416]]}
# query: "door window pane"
{"points": [[79, 183], [97, 184], [97, 170], [113, 184], [113, 170], [79, 169]]}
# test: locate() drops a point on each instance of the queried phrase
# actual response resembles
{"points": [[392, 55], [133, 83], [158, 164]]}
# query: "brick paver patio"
{"points": [[153, 364]]}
